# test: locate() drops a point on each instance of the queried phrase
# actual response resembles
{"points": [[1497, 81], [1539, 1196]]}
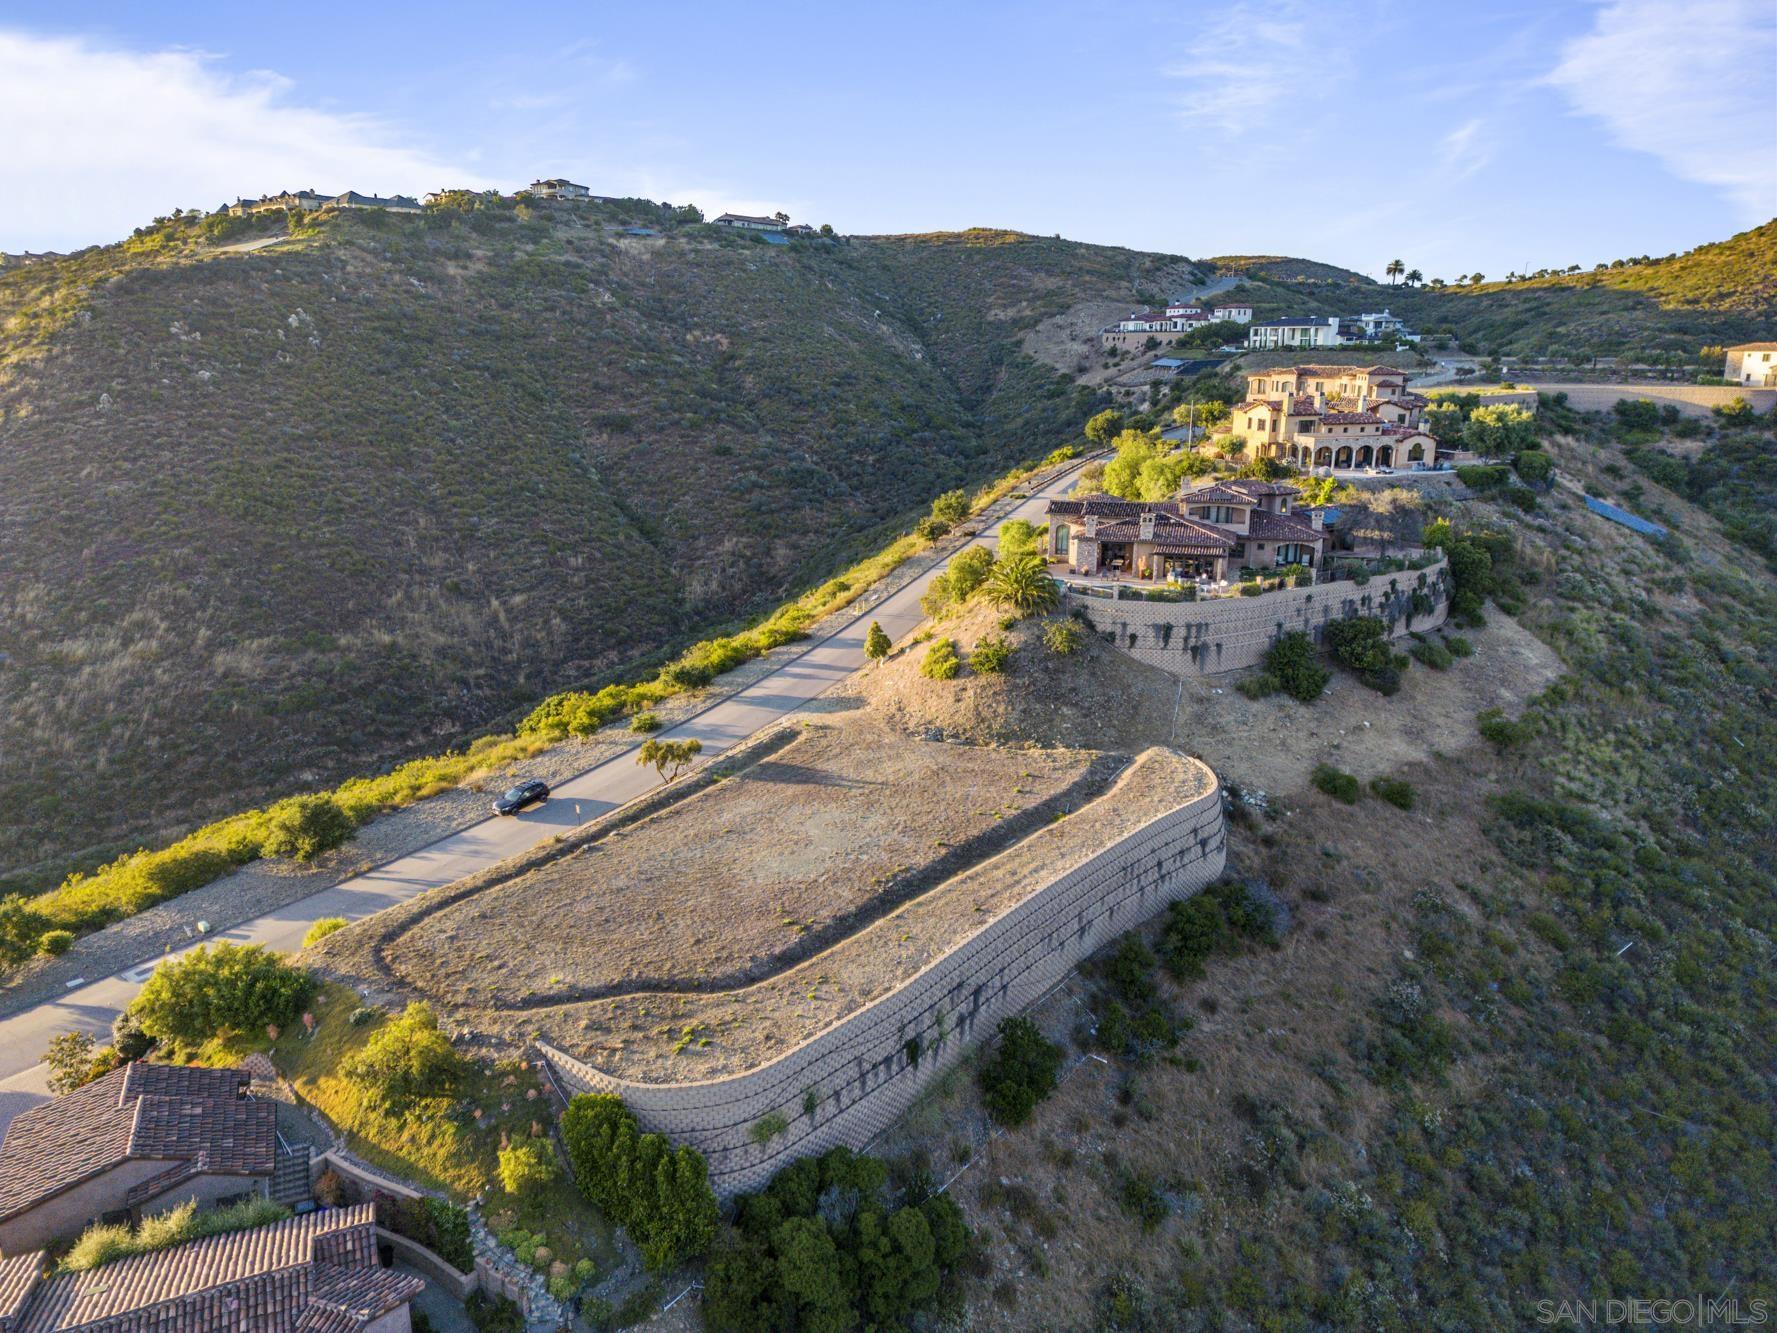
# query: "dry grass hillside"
{"points": [[278, 516]]}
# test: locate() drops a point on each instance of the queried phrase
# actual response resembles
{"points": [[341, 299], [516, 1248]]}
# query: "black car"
{"points": [[525, 793]]}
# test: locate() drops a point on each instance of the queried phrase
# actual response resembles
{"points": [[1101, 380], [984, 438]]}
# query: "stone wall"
{"points": [[861, 1074], [1231, 633], [1691, 399]]}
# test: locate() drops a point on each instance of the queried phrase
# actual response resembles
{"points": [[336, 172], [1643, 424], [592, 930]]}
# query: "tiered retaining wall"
{"points": [[867, 1069], [1230, 633]]}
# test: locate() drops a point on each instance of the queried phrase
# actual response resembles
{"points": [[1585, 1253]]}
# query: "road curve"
{"points": [[91, 1006]]}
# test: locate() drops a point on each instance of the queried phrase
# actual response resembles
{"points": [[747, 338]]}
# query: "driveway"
{"points": [[90, 1006]]}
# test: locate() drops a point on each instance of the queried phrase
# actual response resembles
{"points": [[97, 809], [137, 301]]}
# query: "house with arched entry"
{"points": [[1209, 530], [1333, 416]]}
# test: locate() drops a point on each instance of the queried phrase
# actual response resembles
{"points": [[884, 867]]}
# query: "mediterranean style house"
{"points": [[1752, 364], [318, 1273], [1209, 530], [746, 223], [142, 1139], [1333, 416]]}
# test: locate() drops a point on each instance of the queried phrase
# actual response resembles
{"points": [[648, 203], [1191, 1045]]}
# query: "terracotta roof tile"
{"points": [[1267, 526], [18, 1276]]}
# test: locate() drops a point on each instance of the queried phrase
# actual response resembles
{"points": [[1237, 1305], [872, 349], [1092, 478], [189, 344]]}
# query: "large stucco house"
{"points": [[1753, 365], [1288, 334], [1210, 531], [1334, 416], [140, 1140]]}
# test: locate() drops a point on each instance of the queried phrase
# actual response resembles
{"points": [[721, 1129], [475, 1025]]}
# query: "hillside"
{"points": [[279, 515]]}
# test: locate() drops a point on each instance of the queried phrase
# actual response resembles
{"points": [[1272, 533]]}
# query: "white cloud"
{"points": [[1465, 150], [1693, 83], [1250, 61], [100, 141]]}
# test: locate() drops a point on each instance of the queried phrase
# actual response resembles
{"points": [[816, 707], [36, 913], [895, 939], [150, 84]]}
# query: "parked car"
{"points": [[534, 792]]}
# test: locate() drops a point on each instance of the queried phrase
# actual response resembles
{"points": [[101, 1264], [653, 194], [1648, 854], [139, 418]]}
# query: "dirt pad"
{"points": [[738, 881]]}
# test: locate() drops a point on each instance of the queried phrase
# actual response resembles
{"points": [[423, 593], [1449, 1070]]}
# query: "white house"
{"points": [[1238, 314], [557, 188], [1288, 333], [746, 223], [1752, 364], [1374, 325], [1193, 310]]}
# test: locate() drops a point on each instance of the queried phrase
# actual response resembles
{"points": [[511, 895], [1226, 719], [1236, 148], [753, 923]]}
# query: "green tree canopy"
{"points": [[218, 989]]}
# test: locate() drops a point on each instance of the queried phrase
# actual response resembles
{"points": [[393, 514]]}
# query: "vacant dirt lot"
{"points": [[739, 881]]}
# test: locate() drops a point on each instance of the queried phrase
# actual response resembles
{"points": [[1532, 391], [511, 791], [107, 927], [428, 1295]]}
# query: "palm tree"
{"points": [[1414, 277], [1394, 270], [1022, 582]]}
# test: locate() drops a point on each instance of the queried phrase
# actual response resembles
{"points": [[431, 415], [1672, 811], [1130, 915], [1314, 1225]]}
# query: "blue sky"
{"points": [[1483, 136]]}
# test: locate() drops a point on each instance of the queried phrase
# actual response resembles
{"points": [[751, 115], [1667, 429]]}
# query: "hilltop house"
{"points": [[1208, 530], [1233, 314], [557, 188], [1752, 364], [1291, 333], [317, 1273], [746, 223], [395, 203], [309, 201], [1333, 416], [141, 1139], [1376, 325]]}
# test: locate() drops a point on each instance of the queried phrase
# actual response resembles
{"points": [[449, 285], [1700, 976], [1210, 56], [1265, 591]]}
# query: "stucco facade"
{"points": [[862, 1073], [1232, 633]]}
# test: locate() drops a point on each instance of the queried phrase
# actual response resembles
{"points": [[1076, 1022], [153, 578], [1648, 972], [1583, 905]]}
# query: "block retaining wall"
{"points": [[1231, 633], [863, 1071]]}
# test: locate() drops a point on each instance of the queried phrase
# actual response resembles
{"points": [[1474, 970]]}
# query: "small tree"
{"points": [[1105, 427], [1022, 583], [1022, 1072], [1062, 637], [527, 1166], [990, 656], [1018, 536], [406, 1060], [968, 570], [303, 827], [951, 507], [668, 758], [71, 1059], [218, 989], [876, 642], [1292, 663]]}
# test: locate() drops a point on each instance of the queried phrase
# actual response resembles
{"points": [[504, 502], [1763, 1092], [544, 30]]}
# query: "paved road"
{"points": [[90, 1006]]}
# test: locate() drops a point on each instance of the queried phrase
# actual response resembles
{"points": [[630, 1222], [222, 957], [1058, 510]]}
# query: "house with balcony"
{"points": [[1288, 334], [557, 187], [1233, 314], [1333, 416], [1210, 531]]}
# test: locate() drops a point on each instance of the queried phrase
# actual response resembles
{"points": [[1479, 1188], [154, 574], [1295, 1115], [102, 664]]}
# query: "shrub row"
{"points": [[660, 1194]]}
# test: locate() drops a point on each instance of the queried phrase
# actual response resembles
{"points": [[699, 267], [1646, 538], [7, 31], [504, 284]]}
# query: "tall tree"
{"points": [[1395, 269], [1414, 277]]}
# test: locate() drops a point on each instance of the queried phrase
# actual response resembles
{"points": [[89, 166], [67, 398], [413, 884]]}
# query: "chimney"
{"points": [[1147, 526], [1092, 525], [1363, 401], [1320, 400], [1289, 403], [1315, 517]]}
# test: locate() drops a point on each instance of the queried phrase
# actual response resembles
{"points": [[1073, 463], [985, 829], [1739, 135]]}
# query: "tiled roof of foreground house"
{"points": [[312, 1274], [169, 1113]]}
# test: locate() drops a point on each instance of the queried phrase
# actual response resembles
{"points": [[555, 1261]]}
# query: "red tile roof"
{"points": [[1269, 527], [316, 1272], [152, 1112], [18, 1276], [1351, 419]]}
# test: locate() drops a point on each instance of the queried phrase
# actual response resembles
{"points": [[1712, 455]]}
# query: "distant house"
{"points": [[1291, 333], [799, 229], [318, 1273], [1752, 364], [1373, 326], [307, 200], [1176, 309], [1333, 416], [745, 223], [557, 188], [1236, 314], [396, 203], [141, 1139]]}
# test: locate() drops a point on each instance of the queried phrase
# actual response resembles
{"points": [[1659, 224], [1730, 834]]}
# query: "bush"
{"points": [[930, 529], [1024, 1070], [55, 943], [1459, 646], [643, 723], [218, 989], [1222, 919], [1022, 584], [968, 570], [768, 1126], [438, 1224], [102, 1244], [1260, 686], [941, 661], [990, 656], [1340, 786], [1292, 662], [405, 1061], [127, 1037], [303, 827], [1483, 477], [1431, 653], [322, 929], [1359, 643], [1502, 731], [659, 1194], [1063, 637], [1395, 791], [1534, 467], [952, 507], [527, 1166]]}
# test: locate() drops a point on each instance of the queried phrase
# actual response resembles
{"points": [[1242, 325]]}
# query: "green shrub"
{"points": [[1459, 646], [1534, 466], [941, 661], [1395, 791], [1340, 786], [768, 1126], [303, 827], [527, 1166], [1294, 665], [438, 1224], [877, 643], [322, 929], [218, 989], [1502, 731], [1431, 653], [1022, 1072], [643, 723], [99, 1245], [407, 1060], [1063, 637], [951, 507], [659, 1194], [929, 529], [1251, 589], [1222, 919], [1483, 477], [55, 943], [968, 570], [990, 656], [1359, 643]]}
